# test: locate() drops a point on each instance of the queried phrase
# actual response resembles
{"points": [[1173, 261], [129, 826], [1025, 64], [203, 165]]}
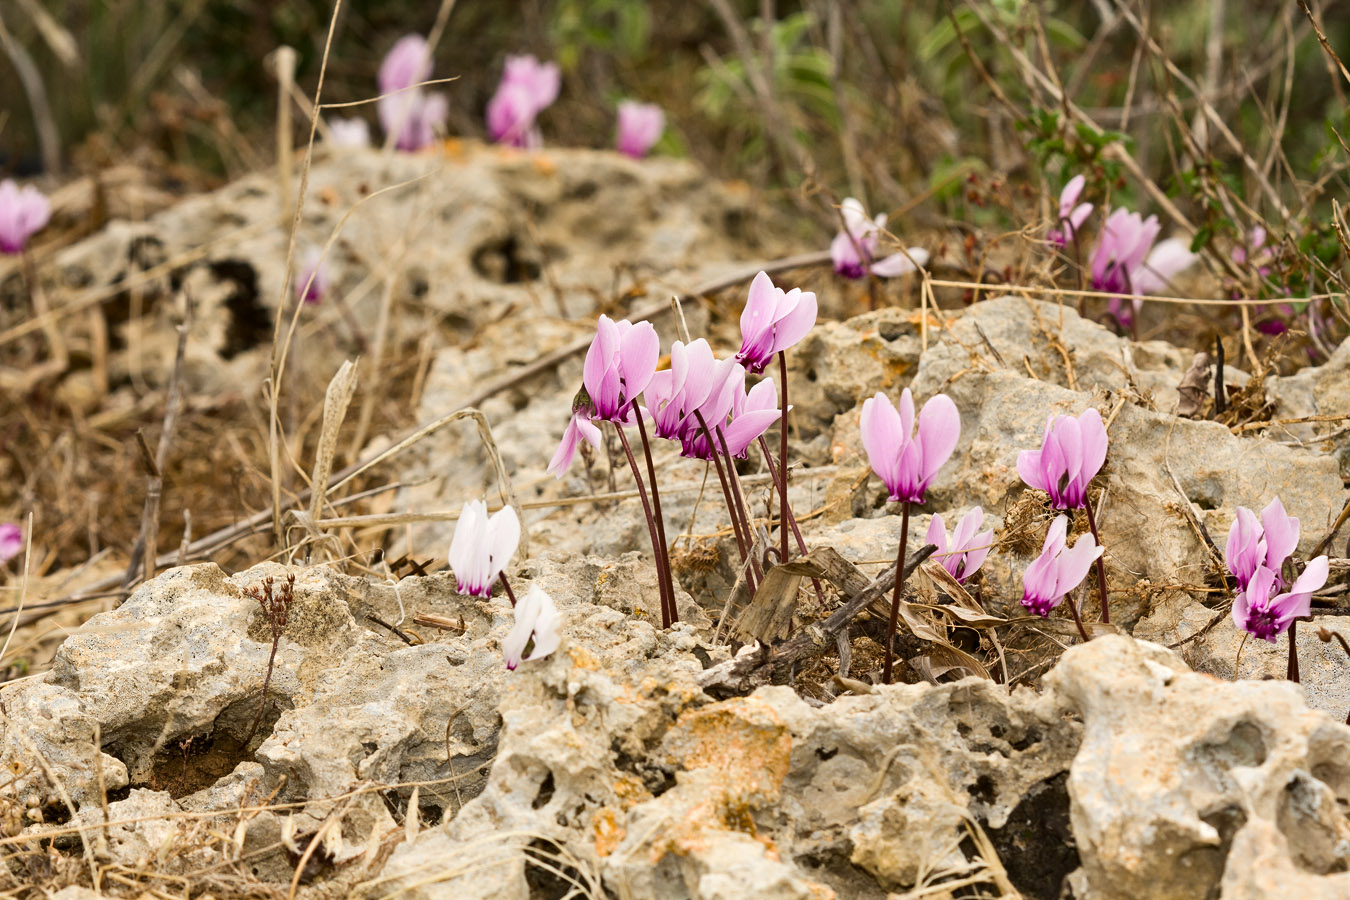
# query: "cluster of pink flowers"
{"points": [[1256, 554], [698, 388], [405, 109], [1072, 214]]}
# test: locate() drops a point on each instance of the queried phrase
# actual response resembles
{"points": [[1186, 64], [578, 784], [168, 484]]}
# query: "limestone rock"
{"points": [[1184, 783]]}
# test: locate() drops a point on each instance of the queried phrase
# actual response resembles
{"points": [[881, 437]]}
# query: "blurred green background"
{"points": [[870, 97]]}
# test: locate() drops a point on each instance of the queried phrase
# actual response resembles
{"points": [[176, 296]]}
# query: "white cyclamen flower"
{"points": [[482, 546], [537, 618]]}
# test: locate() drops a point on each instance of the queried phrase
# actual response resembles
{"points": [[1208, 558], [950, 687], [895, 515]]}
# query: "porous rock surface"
{"points": [[605, 765]]}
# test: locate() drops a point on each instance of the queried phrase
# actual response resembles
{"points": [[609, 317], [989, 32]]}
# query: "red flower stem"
{"points": [[735, 478], [663, 564], [651, 523], [895, 599], [1101, 564], [506, 586], [1077, 619], [726, 494], [1292, 673], [784, 513]]}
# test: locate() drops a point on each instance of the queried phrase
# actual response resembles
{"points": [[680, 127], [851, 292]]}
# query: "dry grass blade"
{"points": [[335, 402]]}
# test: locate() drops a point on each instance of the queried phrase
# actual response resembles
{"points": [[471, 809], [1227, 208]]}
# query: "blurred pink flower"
{"points": [[1264, 616], [1072, 214], [860, 235], [1126, 263], [1072, 452], [526, 89], [773, 320], [11, 541], [404, 108], [23, 212], [905, 462], [1057, 571], [968, 550], [640, 126], [311, 279]]}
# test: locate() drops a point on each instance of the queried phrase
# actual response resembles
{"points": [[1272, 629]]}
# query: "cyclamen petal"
{"points": [[407, 63], [537, 618], [1280, 531], [1266, 617], [578, 429], [898, 264]]}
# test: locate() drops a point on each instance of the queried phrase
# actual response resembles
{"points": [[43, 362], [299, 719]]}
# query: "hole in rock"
{"points": [[250, 323], [892, 331], [983, 789], [193, 763], [545, 793], [812, 377], [502, 261], [550, 876], [1036, 844], [1244, 746], [822, 754], [654, 778]]}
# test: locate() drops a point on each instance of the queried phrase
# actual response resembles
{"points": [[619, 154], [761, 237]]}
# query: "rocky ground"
{"points": [[407, 762]]}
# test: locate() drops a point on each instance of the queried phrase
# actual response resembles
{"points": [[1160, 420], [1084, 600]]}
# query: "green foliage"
{"points": [[620, 28]]}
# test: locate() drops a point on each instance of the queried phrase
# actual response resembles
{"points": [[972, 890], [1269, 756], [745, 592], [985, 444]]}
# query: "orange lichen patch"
{"points": [[608, 832], [583, 658], [631, 791], [544, 164], [744, 740], [454, 148]]}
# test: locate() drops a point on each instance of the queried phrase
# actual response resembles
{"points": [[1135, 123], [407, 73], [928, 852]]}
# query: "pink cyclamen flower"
{"points": [[967, 550], [311, 279], [526, 89], [1072, 214], [11, 541], [1252, 545], [854, 249], [482, 546], [579, 428], [725, 394], [695, 382], [1264, 616], [1072, 453], [907, 463], [23, 213], [404, 108], [537, 620], [619, 365], [1057, 570], [640, 127], [751, 415], [773, 320], [1126, 263]]}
